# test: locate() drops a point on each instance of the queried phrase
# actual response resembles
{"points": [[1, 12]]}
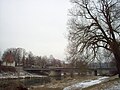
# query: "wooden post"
{"points": [[95, 72]]}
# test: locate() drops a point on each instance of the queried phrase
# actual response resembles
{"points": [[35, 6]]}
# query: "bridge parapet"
{"points": [[47, 69], [55, 69]]}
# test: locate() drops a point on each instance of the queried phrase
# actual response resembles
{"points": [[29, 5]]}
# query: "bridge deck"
{"points": [[48, 69]]}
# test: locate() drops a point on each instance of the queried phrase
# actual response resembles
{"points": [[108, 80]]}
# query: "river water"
{"points": [[29, 81], [35, 81]]}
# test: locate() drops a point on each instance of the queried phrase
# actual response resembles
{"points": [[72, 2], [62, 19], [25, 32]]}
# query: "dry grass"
{"points": [[59, 85]]}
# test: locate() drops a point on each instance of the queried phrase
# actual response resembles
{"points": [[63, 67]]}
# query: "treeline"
{"points": [[26, 59]]}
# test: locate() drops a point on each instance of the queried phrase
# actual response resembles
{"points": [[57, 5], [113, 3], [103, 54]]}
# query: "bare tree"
{"points": [[95, 24], [30, 60], [44, 61]]}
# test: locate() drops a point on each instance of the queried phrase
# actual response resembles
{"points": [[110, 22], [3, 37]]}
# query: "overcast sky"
{"points": [[35, 25]]}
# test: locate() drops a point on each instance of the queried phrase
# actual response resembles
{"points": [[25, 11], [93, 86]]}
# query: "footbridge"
{"points": [[55, 71]]}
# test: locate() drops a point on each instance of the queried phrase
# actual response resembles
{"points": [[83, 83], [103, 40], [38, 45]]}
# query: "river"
{"points": [[29, 81]]}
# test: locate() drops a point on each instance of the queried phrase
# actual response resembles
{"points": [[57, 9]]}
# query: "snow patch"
{"points": [[85, 84]]}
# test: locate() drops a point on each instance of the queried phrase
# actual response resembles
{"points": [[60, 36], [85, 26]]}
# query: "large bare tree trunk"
{"points": [[117, 58], [116, 53]]}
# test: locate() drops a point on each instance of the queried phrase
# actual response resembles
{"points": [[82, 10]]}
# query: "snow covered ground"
{"points": [[85, 84], [23, 75]]}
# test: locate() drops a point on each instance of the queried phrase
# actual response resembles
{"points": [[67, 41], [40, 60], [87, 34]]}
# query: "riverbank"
{"points": [[22, 75], [13, 81], [60, 84], [84, 83], [50, 83]]}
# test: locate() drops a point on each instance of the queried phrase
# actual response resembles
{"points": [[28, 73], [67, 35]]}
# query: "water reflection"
{"points": [[35, 81], [31, 81]]}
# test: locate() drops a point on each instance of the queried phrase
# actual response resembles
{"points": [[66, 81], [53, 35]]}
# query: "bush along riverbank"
{"points": [[12, 85]]}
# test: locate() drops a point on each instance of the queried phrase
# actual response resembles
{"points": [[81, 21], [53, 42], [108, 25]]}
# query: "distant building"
{"points": [[9, 60], [8, 64]]}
